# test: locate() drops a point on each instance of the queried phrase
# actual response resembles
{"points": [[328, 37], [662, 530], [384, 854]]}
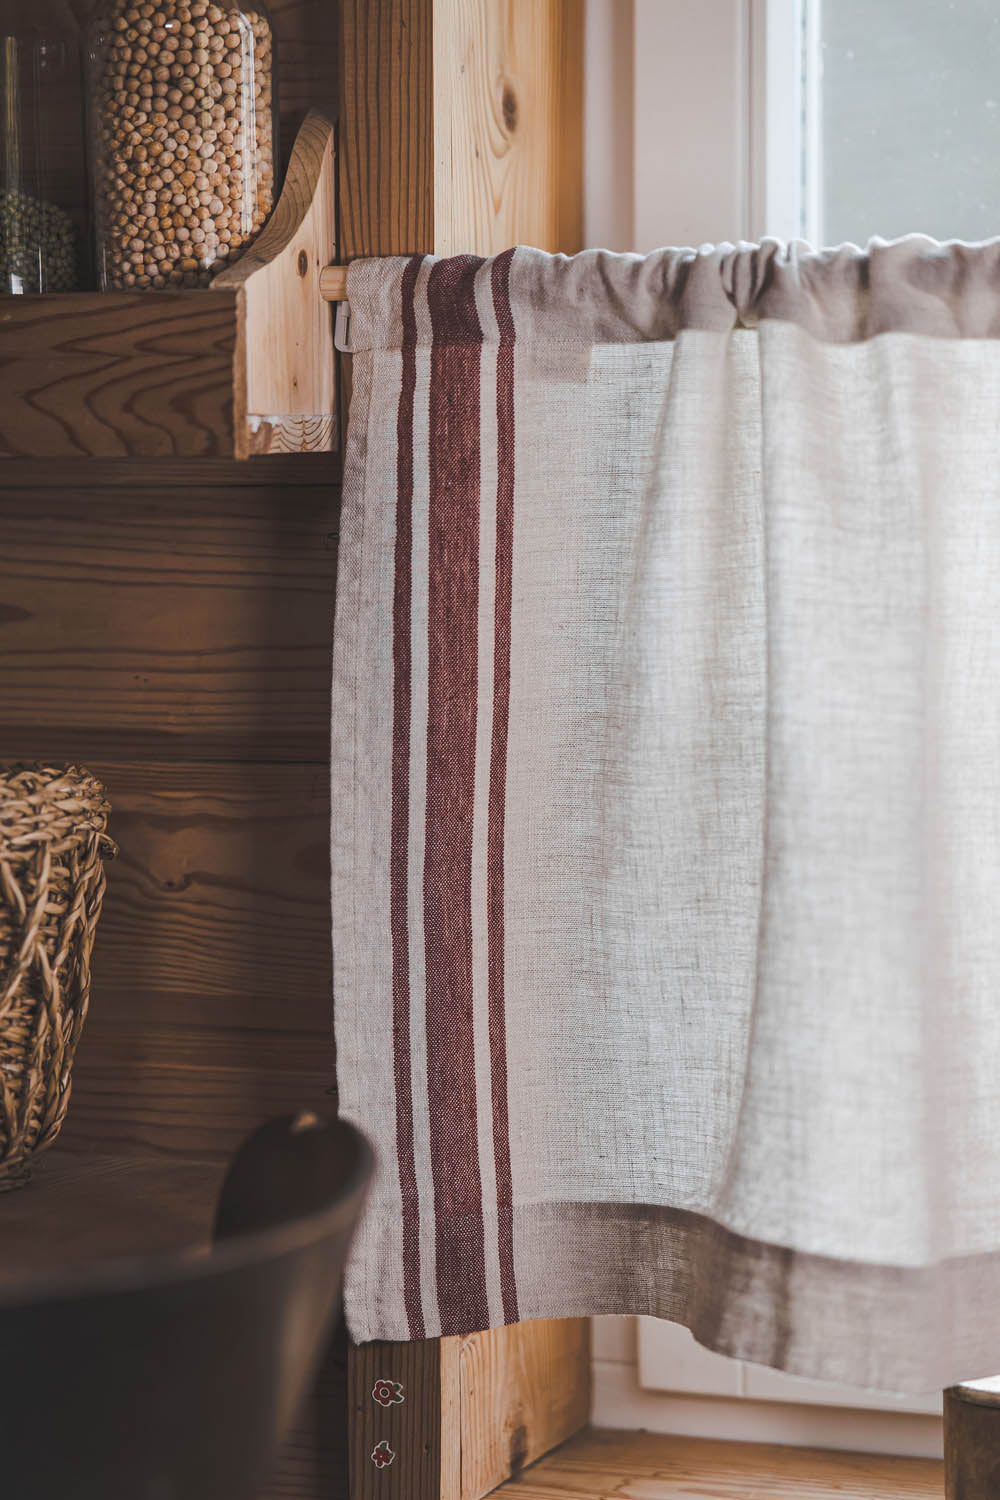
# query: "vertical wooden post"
{"points": [[386, 142], [403, 1408], [461, 131], [461, 126], [450, 1419]]}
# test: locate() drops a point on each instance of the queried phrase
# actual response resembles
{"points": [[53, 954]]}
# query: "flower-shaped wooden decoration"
{"points": [[382, 1455], [387, 1392]]}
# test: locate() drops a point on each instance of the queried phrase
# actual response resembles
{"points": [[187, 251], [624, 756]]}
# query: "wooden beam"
{"points": [[385, 147], [461, 126], [461, 132], [522, 1391], [409, 1448], [508, 125], [464, 1414]]}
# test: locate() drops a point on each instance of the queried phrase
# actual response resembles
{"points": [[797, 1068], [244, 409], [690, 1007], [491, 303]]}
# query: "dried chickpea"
{"points": [[169, 96]]}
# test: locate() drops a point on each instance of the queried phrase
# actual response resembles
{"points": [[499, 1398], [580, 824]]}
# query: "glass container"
{"points": [[182, 126], [43, 197]]}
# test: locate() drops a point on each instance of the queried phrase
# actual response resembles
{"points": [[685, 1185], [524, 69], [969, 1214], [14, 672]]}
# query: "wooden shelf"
{"points": [[242, 368], [596, 1465]]}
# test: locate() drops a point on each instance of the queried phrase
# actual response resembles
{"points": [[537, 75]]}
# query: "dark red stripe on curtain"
{"points": [[453, 604], [400, 815], [500, 277]]}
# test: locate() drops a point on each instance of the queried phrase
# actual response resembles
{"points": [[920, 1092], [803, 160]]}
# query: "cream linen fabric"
{"points": [[666, 799]]}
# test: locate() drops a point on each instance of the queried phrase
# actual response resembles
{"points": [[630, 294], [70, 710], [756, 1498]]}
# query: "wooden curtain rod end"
{"points": [[333, 283]]}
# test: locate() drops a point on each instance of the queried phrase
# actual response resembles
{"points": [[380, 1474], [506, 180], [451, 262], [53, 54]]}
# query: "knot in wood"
{"points": [[508, 103]]}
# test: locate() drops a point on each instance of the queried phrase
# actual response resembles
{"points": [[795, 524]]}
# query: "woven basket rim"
{"points": [[52, 848], [42, 803]]}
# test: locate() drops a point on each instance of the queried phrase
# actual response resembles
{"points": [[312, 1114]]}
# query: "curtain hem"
{"points": [[902, 1329]]}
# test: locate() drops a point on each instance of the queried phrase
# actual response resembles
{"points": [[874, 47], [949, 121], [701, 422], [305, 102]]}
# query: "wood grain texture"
{"points": [[462, 126], [647, 1466], [211, 1001], [971, 1445], [524, 1389], [225, 371], [386, 144], [422, 1430], [182, 1091], [508, 125], [475, 1409], [218, 912], [167, 623], [316, 433], [280, 473], [144, 374], [284, 352], [306, 40], [77, 1213], [333, 283]]}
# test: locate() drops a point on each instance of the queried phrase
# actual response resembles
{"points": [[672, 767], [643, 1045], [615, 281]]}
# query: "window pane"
{"points": [[910, 131]]}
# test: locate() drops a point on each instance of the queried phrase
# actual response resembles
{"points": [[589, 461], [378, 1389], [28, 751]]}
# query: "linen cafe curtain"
{"points": [[666, 798]]}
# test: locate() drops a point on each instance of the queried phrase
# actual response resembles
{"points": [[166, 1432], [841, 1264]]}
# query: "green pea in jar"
{"points": [[43, 196]]}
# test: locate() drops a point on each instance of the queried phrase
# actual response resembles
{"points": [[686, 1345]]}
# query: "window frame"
{"points": [[725, 95]]}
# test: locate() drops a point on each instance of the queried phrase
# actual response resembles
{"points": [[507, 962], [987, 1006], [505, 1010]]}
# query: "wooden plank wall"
{"points": [[171, 628], [169, 624]]}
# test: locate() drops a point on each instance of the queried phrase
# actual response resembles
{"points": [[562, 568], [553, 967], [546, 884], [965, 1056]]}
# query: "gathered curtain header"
{"points": [[913, 285]]}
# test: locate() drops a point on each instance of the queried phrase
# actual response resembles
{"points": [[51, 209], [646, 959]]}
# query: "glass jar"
{"points": [[43, 205], [182, 125]]}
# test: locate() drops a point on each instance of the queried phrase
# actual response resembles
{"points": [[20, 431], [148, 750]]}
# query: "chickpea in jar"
{"points": [[182, 124]]}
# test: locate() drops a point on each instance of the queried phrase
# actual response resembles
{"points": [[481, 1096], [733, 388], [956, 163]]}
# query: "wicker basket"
{"points": [[52, 847]]}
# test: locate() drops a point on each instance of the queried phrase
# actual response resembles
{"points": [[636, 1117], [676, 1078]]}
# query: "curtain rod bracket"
{"points": [[342, 329]]}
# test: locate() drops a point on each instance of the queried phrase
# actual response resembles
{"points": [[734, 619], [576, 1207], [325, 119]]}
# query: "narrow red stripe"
{"points": [[400, 816], [453, 604], [500, 280]]}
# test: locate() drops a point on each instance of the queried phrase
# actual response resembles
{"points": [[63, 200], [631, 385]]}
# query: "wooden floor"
{"points": [[646, 1466]]}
